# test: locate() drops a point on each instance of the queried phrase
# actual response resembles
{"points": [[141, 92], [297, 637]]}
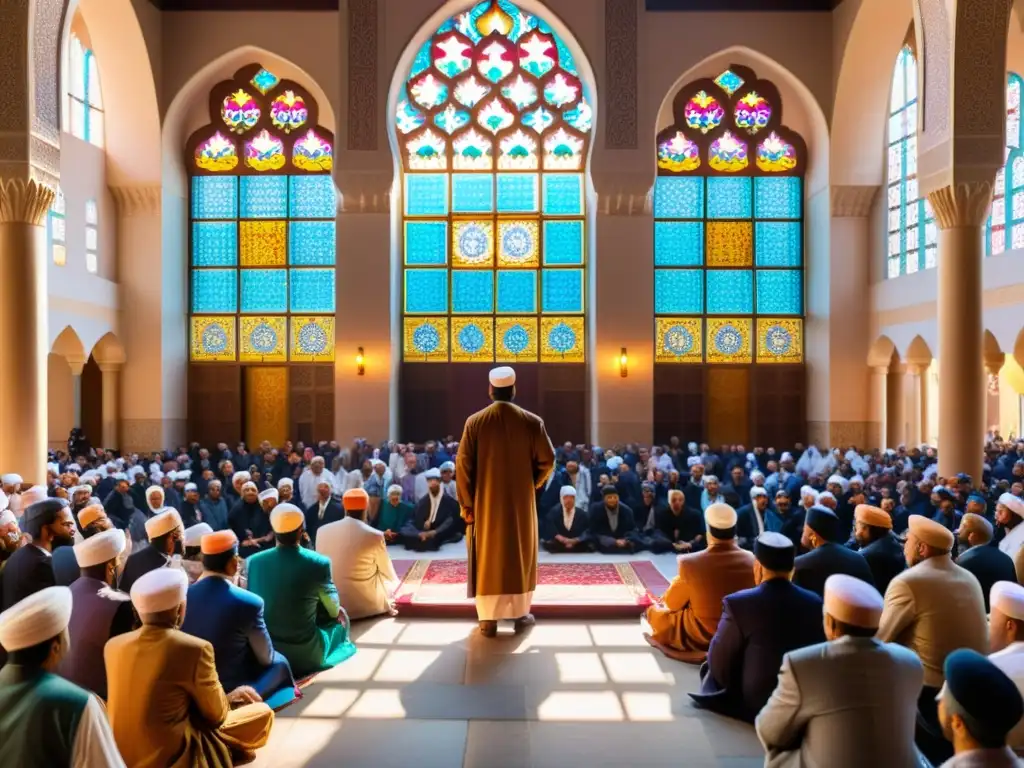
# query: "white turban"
{"points": [[194, 534], [39, 617], [160, 590], [566, 490], [395, 489], [163, 523], [1012, 503], [240, 476], [285, 481], [270, 493], [100, 548]]}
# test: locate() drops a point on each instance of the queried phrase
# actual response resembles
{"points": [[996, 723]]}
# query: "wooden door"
{"points": [[728, 392], [266, 404]]}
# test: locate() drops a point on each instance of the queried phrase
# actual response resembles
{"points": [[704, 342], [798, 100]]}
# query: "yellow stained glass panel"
{"points": [[680, 340], [473, 243], [780, 340], [262, 243], [312, 339], [426, 340], [212, 338], [728, 340], [561, 340], [515, 339], [263, 339], [472, 339], [518, 243], [729, 243]]}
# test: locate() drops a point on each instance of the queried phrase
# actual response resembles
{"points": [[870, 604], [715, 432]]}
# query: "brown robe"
{"points": [[504, 456]]}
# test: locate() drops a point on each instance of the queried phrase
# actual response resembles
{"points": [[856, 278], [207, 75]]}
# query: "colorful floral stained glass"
{"points": [[729, 198], [311, 243], [775, 155], [264, 81], [288, 111], [452, 55], [561, 90], [679, 340], [214, 197], [678, 291], [264, 290], [730, 291], [678, 243], [407, 117], [214, 291], [678, 154], [262, 243], [538, 120], [472, 152], [728, 340], [727, 154], [518, 243], [429, 92], [217, 154], [472, 291], [239, 111], [515, 339], [779, 340], [264, 152], [426, 243], [520, 91], [562, 150], [518, 192], [580, 117], [312, 339], [562, 290], [561, 339], [212, 339], [1003, 228], [214, 243], [473, 339], [311, 290], [703, 112], [517, 291], [752, 113], [472, 193], [729, 82], [494, 117], [563, 242], [780, 292], [311, 197], [470, 91], [426, 339], [537, 54], [450, 119], [518, 152], [428, 151], [312, 153], [679, 198], [563, 194], [263, 339], [494, 61], [472, 243], [263, 197], [730, 244], [426, 291]]}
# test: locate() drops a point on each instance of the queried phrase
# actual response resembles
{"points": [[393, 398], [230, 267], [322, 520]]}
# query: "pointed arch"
{"points": [[1004, 228], [69, 345]]}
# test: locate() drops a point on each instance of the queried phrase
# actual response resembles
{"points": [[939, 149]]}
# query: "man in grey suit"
{"points": [[849, 702]]}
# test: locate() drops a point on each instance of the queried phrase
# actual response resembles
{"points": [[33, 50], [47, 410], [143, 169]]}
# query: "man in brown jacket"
{"points": [[684, 623]]}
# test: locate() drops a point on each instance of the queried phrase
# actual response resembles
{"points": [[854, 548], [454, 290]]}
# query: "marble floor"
{"points": [[434, 694]]}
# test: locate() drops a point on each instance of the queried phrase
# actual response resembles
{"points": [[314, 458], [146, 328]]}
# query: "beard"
{"points": [[62, 541]]}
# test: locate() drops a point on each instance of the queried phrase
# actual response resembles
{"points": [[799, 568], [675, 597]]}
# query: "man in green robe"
{"points": [[304, 617], [392, 515]]}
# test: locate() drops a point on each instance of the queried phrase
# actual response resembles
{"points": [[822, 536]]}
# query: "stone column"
{"points": [[77, 366], [960, 210], [23, 326], [880, 397], [111, 398], [896, 422], [916, 416], [993, 365]]}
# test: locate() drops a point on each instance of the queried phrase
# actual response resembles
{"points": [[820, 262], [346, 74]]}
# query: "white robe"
{"points": [[1013, 541], [1011, 661], [94, 745], [360, 565]]}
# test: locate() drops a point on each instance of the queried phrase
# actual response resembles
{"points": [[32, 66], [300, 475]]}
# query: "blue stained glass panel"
{"points": [[312, 197], [426, 291], [263, 197], [214, 243], [678, 291], [311, 243], [264, 290], [678, 243], [472, 193], [214, 197], [777, 197], [679, 197], [426, 194], [779, 292], [563, 242], [426, 242], [518, 192], [214, 290], [563, 194], [472, 291], [729, 197], [778, 243], [517, 290], [730, 291], [562, 290], [312, 290]]}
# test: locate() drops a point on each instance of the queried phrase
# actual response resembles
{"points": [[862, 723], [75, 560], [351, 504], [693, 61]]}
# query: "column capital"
{"points": [[917, 367], [881, 370], [852, 201], [24, 200], [110, 367], [135, 201], [962, 204], [994, 364], [77, 366]]}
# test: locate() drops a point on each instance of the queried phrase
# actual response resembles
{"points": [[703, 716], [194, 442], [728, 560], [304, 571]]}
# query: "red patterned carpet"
{"points": [[437, 589]]}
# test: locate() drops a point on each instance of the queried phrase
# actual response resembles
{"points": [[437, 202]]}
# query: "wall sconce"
{"points": [[623, 363], [360, 367]]}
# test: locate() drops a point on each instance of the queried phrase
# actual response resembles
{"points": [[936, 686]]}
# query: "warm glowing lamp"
{"points": [[623, 363], [360, 367]]}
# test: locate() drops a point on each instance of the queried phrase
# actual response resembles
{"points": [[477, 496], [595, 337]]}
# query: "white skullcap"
{"points": [[720, 516], [240, 475], [691, 446], [270, 493], [380, 463], [172, 475], [286, 518], [39, 617], [826, 495], [1012, 503], [502, 377], [285, 481], [755, 473], [7, 517], [191, 487], [395, 489], [857, 479], [100, 548], [183, 474], [249, 484], [159, 590], [1008, 598], [757, 491], [786, 456], [194, 534], [566, 490], [432, 474], [448, 466], [692, 461], [32, 495], [164, 522], [614, 463], [12, 479], [119, 476], [135, 471], [808, 491], [81, 489], [155, 489], [673, 492], [852, 601]]}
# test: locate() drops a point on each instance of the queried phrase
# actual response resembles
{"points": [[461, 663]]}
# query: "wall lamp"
{"points": [[360, 366], [623, 363]]}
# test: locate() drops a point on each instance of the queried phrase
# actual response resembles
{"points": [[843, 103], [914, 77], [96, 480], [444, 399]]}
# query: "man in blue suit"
{"points": [[231, 619], [758, 627]]}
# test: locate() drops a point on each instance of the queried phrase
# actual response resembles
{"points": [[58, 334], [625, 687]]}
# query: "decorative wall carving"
{"points": [[852, 201], [24, 200], [45, 76], [362, 74], [934, 86], [14, 116], [979, 83], [137, 201], [619, 104], [961, 205]]}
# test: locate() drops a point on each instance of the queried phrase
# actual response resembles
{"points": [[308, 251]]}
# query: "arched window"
{"points": [[1007, 213], [57, 229], [493, 126], [84, 105], [912, 233], [262, 225], [92, 246]]}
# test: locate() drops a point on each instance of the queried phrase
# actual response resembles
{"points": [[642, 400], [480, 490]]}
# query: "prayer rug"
{"points": [[437, 589]]}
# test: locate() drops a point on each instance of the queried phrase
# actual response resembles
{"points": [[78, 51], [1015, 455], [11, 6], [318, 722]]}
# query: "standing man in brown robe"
{"points": [[504, 456]]}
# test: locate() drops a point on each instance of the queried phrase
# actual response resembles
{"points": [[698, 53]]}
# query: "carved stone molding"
{"points": [[365, 202], [364, 192], [961, 205], [25, 201], [620, 53], [137, 201], [362, 74], [625, 203], [852, 201]]}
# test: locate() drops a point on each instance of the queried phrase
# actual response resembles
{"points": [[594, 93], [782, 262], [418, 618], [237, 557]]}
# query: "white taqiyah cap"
{"points": [[395, 489], [163, 523], [285, 481], [101, 548], [566, 490], [852, 601], [39, 617], [502, 376], [270, 493], [32, 495], [432, 474], [7, 517], [1012, 503], [1007, 597], [159, 590], [12, 479], [720, 516], [286, 518], [194, 534], [757, 491], [240, 476]]}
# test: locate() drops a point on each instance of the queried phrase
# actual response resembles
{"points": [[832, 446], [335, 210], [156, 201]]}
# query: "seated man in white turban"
{"points": [[1006, 641], [393, 515], [46, 720], [568, 524], [434, 521], [166, 539], [192, 560]]}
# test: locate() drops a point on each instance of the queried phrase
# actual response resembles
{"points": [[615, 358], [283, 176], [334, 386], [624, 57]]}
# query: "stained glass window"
{"points": [[57, 229], [83, 104], [262, 225], [493, 126], [728, 227], [1004, 229], [92, 221]]}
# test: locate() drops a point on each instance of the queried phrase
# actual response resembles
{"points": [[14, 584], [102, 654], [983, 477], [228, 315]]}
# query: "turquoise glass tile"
{"points": [[518, 192], [426, 291], [517, 291], [214, 243], [778, 243], [777, 197], [312, 197], [264, 290], [311, 243], [311, 290], [679, 197], [563, 194], [472, 291], [562, 290], [678, 243], [729, 197], [426, 194], [678, 291], [214, 290], [214, 197], [780, 292], [563, 242], [472, 193], [730, 291], [263, 197], [426, 242]]}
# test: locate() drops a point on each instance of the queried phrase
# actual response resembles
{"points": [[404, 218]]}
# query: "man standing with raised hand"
{"points": [[504, 456]]}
